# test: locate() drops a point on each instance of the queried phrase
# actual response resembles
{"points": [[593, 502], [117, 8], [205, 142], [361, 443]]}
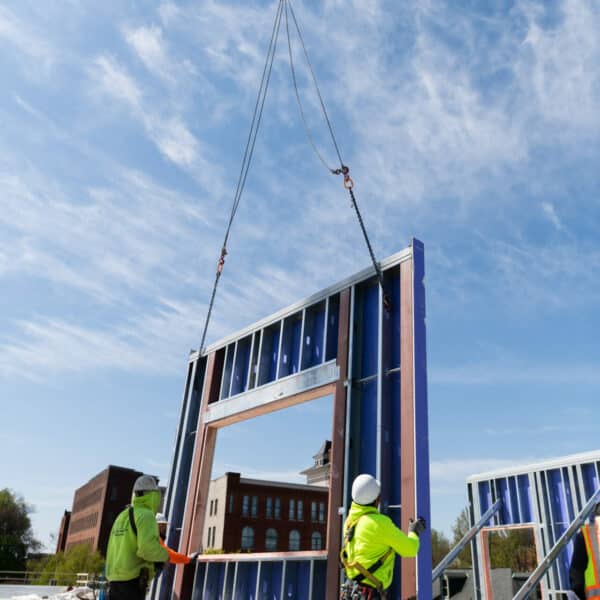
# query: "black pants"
{"points": [[127, 590]]}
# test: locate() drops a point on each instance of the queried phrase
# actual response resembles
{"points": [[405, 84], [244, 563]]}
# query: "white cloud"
{"points": [[24, 38], [550, 213], [149, 45], [116, 82]]}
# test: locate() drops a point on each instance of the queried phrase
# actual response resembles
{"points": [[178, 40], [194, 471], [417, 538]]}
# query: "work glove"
{"points": [[417, 526], [193, 557]]}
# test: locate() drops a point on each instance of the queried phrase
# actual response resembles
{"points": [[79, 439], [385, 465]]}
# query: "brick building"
{"points": [[96, 505], [264, 516], [61, 542]]}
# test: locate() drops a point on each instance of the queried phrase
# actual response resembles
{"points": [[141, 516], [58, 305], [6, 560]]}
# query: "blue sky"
{"points": [[473, 126]]}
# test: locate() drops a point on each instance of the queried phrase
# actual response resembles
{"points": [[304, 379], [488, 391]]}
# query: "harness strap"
{"points": [[364, 573], [132, 520], [590, 535]]}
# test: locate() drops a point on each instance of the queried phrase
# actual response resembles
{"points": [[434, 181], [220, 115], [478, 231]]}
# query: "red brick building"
{"points": [[95, 507], [264, 516], [61, 542]]}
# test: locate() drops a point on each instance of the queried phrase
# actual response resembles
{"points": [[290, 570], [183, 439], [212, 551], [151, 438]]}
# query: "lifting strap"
{"points": [[284, 8], [364, 572]]}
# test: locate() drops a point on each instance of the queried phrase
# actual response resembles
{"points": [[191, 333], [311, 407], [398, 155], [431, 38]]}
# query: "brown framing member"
{"points": [[205, 448], [407, 420], [485, 553]]}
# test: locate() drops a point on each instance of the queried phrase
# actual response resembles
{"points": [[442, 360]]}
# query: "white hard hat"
{"points": [[365, 489], [145, 483], [160, 518]]}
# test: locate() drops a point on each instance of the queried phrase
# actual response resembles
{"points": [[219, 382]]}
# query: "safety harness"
{"points": [[365, 573]]}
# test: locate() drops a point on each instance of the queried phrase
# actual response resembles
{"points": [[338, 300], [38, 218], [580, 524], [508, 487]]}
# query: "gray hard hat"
{"points": [[145, 483]]}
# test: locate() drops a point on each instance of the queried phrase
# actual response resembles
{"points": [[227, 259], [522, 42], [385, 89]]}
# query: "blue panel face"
{"points": [[312, 343], [526, 507], [240, 369], [246, 580], [502, 487], [270, 580], [485, 496], [227, 369], [319, 580], [198, 581], [590, 479], [514, 500], [290, 346], [268, 355], [214, 581], [370, 328], [332, 328]]}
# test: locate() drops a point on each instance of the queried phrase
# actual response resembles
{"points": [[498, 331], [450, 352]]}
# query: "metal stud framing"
{"points": [[546, 496], [339, 342]]}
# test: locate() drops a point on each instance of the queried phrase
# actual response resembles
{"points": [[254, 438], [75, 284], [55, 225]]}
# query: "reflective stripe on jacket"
{"points": [[592, 579], [374, 535], [129, 553]]}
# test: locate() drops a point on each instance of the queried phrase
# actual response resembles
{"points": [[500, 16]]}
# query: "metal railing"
{"points": [[447, 560]]}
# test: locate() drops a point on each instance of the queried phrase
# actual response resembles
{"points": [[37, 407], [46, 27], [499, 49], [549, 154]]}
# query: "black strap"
{"points": [[360, 578], [132, 520]]}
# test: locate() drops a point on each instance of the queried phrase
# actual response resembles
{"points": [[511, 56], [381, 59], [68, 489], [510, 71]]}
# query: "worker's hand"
{"points": [[194, 557], [417, 526]]}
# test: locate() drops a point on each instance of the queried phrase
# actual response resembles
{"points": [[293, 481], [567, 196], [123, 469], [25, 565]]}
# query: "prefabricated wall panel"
{"points": [[340, 342], [548, 495]]}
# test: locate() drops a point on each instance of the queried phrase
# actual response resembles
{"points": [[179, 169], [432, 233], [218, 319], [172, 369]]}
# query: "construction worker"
{"points": [[584, 572], [134, 550], [371, 541], [175, 558]]}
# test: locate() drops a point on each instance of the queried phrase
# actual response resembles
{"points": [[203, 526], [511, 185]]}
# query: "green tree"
{"points": [[440, 546], [459, 529], [16, 535], [513, 549], [63, 567]]}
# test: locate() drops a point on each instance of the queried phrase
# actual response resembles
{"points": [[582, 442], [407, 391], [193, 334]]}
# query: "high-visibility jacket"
{"points": [[375, 537], [130, 552], [592, 572]]}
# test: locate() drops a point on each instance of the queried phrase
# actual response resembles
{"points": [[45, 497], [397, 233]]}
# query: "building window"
{"points": [[316, 541], [247, 538], [214, 534], [313, 512], [271, 540], [245, 505], [278, 508], [322, 512], [208, 539], [211, 509], [255, 506], [300, 515], [269, 513], [216, 502], [230, 503], [292, 510], [294, 540]]}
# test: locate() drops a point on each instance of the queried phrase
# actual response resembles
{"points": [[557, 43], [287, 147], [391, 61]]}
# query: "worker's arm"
{"points": [[578, 566], [148, 541], [176, 558], [403, 544]]}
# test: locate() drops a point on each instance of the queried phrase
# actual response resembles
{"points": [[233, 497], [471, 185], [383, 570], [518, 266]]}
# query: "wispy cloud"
{"points": [[20, 35], [511, 373], [550, 213], [149, 45]]}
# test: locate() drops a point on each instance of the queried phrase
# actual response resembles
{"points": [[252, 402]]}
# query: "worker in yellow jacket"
{"points": [[371, 542]]}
